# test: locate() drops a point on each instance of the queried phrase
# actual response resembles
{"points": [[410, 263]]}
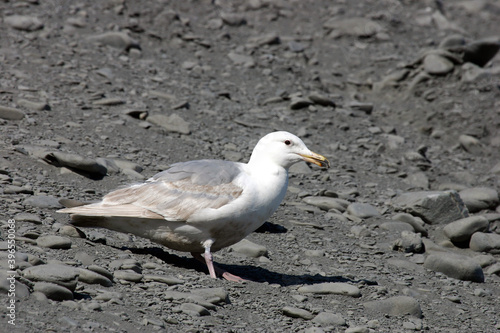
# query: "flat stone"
{"points": [[42, 201], [110, 101], [35, 106], [470, 144], [62, 275], [485, 242], [11, 113], [321, 100], [53, 291], [329, 319], [100, 270], [168, 280], [119, 40], [437, 65], [494, 269], [249, 249], [416, 222], [479, 198], [71, 231], [195, 310], [172, 123], [298, 103], [354, 26], [397, 226], [396, 306], [54, 242], [434, 207], [462, 230], [338, 288], [362, 210], [76, 163], [213, 295], [91, 277], [456, 266], [28, 217], [241, 59], [128, 275], [294, 312], [233, 19], [327, 203], [409, 242], [24, 22]]}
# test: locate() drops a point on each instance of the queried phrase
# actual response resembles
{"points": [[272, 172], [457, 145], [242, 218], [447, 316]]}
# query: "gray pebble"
{"points": [[23, 22], [119, 40], [101, 271], [233, 19], [479, 198], [327, 203], [354, 26], [396, 306], [462, 230], [470, 144], [485, 242], [91, 277], [397, 226], [321, 100], [194, 309], [357, 329], [111, 101], [338, 288], [53, 291], [172, 123], [365, 107], [409, 242], [493, 269], [437, 65], [294, 312], [126, 264], [42, 201], [213, 295], [63, 275], [485, 260], [36, 106], [455, 266], [298, 103], [434, 207], [28, 217], [241, 59], [76, 163], [329, 319], [362, 210], [249, 249], [54, 242], [168, 280], [127, 275], [70, 231], [414, 221]]}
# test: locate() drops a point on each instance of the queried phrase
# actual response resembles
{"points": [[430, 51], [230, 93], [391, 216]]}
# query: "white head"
{"points": [[284, 149]]}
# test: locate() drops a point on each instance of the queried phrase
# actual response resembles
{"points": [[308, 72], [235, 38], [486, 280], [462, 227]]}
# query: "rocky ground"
{"points": [[401, 234]]}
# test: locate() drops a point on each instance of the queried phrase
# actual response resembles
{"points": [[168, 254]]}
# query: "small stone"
{"points": [[494, 269], [470, 144], [321, 100], [434, 207], [365, 107], [293, 312], [24, 23], [298, 103], [362, 210], [42, 201], [233, 19], [53, 291], [241, 59], [357, 329], [28, 217], [91, 277], [396, 306], [172, 123], [437, 65], [63, 275], [296, 47], [329, 319], [84, 165], [54, 242], [414, 221], [128, 275], [119, 40], [213, 295], [409, 242], [479, 198], [194, 309], [168, 280], [483, 242], [11, 113], [249, 249], [455, 266], [338, 288], [70, 231], [327, 203], [354, 26], [35, 106], [462, 230], [397, 226]]}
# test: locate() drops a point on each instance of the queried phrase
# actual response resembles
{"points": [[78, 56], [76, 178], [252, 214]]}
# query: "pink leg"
{"points": [[213, 269]]}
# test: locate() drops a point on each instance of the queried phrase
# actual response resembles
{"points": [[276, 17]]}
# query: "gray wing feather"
{"points": [[183, 189]]}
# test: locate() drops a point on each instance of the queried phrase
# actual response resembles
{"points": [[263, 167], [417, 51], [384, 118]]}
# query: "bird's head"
{"points": [[285, 149]]}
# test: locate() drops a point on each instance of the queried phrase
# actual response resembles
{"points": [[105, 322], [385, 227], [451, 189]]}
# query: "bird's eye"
{"points": [[288, 142]]}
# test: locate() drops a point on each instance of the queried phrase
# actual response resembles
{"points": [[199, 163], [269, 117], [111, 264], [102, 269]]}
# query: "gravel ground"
{"points": [[401, 234]]}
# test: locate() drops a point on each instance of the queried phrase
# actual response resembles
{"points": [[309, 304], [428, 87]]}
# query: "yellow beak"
{"points": [[316, 159]]}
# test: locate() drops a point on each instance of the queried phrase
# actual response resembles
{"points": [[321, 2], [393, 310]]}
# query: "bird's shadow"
{"points": [[247, 272]]}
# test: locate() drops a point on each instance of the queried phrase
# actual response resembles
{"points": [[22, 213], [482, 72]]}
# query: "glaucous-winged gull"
{"points": [[205, 205]]}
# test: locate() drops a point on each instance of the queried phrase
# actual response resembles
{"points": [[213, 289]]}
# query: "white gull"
{"points": [[205, 205]]}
